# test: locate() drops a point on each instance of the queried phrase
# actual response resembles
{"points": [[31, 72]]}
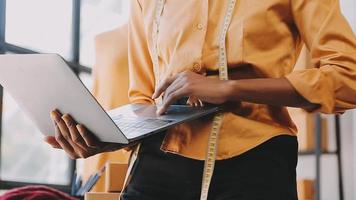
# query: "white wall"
{"points": [[329, 180], [348, 8]]}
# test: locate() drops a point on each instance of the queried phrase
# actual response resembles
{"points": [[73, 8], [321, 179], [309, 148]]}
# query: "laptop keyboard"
{"points": [[133, 125]]}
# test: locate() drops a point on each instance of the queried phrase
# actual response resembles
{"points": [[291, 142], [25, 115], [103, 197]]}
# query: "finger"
{"points": [[79, 150], [201, 103], [171, 99], [62, 133], [63, 129], [73, 131], [163, 86], [190, 103], [64, 144], [52, 141], [178, 83], [72, 149], [89, 139]]}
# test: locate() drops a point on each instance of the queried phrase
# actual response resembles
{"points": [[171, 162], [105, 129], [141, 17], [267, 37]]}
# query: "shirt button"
{"points": [[196, 67], [200, 26]]}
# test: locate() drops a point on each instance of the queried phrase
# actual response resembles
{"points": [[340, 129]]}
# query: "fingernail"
{"points": [[65, 117], [53, 116], [79, 127], [160, 112], [57, 111]]}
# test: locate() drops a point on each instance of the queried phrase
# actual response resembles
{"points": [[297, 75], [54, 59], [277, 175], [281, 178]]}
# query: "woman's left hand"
{"points": [[190, 84]]}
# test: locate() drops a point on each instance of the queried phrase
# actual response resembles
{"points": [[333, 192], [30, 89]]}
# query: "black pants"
{"points": [[267, 172]]}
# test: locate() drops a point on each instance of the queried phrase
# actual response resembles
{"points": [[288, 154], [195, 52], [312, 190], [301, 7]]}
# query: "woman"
{"points": [[176, 50]]}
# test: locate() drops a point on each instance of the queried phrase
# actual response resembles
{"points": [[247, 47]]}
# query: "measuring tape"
{"points": [[218, 119]]}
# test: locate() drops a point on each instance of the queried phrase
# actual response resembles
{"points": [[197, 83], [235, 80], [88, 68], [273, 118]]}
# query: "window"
{"points": [[98, 16], [40, 25], [24, 152], [66, 27]]}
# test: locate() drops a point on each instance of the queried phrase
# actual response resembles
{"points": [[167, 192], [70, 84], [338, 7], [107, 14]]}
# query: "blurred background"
{"points": [[69, 27]]}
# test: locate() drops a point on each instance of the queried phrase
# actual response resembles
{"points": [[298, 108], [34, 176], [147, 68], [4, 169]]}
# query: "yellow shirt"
{"points": [[263, 41]]}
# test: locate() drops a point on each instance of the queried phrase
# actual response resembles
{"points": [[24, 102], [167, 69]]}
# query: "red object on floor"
{"points": [[35, 193]]}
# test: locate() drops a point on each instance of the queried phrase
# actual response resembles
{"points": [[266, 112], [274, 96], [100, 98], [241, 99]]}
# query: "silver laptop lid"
{"points": [[42, 82]]}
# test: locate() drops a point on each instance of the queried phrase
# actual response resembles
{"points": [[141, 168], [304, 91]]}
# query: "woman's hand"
{"points": [[75, 139], [190, 84]]}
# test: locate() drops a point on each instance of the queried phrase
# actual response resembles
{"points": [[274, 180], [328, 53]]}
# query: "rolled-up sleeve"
{"points": [[331, 82], [141, 72]]}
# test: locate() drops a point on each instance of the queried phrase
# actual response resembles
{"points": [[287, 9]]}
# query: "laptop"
{"points": [[40, 83]]}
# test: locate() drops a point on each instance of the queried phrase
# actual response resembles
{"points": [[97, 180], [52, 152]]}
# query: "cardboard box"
{"points": [[306, 129], [305, 189], [115, 174], [101, 196]]}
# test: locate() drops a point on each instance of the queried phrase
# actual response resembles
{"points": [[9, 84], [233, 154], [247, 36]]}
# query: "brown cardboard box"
{"points": [[305, 189], [306, 129], [115, 176], [101, 196]]}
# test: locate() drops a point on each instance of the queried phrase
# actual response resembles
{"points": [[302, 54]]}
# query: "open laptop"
{"points": [[41, 83]]}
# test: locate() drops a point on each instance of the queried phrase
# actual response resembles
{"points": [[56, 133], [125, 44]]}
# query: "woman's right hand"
{"points": [[75, 139]]}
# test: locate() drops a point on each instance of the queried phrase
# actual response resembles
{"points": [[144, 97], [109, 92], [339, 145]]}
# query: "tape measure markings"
{"points": [[209, 164]]}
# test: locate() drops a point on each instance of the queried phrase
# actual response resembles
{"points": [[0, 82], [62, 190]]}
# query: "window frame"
{"points": [[74, 65]]}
